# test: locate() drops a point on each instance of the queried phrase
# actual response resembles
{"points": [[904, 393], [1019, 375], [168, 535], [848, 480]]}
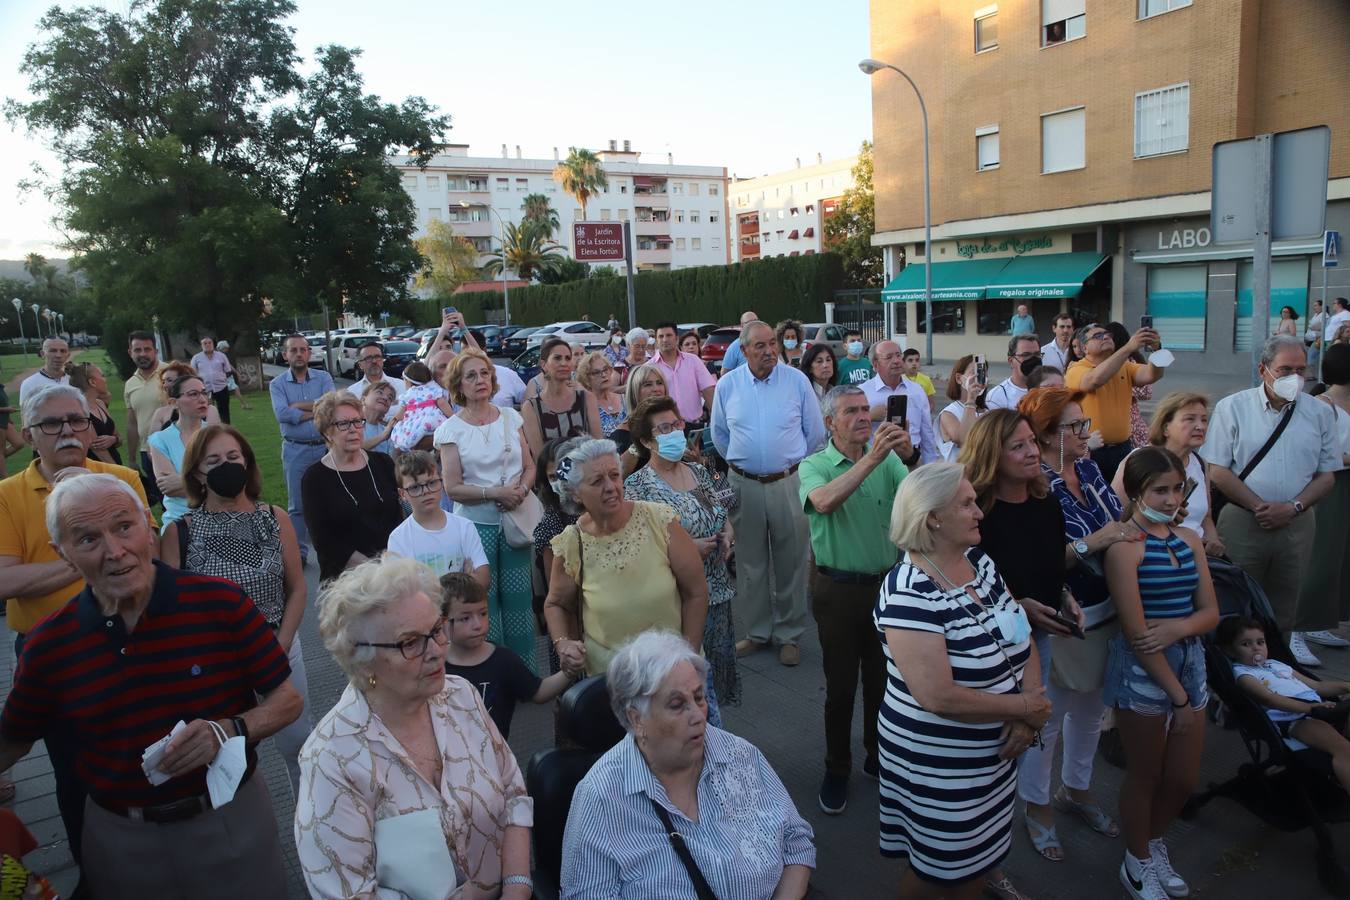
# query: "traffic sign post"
{"points": [[628, 269]]}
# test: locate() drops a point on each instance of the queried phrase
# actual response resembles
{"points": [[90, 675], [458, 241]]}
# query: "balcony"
{"points": [[749, 249], [656, 257], [651, 227], [643, 200], [481, 228], [749, 225]]}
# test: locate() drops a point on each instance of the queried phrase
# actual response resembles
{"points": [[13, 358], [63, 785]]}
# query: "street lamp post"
{"points": [[18, 314], [61, 318], [37, 317], [506, 290], [870, 67]]}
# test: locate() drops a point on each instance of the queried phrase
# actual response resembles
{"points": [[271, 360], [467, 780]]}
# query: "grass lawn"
{"points": [[256, 423]]}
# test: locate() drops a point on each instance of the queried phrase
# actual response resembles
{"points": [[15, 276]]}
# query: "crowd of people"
{"points": [[1006, 574]]}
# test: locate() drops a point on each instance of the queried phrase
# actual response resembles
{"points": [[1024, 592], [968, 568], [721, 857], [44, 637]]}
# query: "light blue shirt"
{"points": [[285, 390], [734, 356], [1022, 325], [748, 829], [918, 414], [169, 441], [766, 426]]}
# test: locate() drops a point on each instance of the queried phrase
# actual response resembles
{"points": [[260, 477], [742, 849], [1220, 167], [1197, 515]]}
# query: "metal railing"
{"points": [[862, 309]]}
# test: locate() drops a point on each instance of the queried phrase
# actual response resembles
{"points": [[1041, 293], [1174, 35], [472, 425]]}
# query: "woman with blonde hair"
{"points": [[596, 374], [644, 383]]}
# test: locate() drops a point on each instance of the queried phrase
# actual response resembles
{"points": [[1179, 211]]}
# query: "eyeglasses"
{"points": [[375, 358], [54, 426], [1098, 336], [1080, 428], [596, 373], [349, 424], [414, 647], [667, 427], [193, 395], [417, 490]]}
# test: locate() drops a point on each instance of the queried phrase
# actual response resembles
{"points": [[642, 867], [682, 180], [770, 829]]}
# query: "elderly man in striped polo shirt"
{"points": [[142, 648]]}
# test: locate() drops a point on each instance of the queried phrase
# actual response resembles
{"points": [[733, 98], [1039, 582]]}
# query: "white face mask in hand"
{"points": [[227, 769]]}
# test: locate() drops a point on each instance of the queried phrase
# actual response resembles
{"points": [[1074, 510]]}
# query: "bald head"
{"points": [[438, 362], [55, 354], [888, 362], [749, 316]]}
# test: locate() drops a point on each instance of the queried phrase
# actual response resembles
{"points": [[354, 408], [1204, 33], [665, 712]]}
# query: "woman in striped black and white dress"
{"points": [[963, 694]]}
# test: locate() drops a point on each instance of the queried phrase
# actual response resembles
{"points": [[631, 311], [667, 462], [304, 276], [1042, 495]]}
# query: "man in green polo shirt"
{"points": [[847, 491]]}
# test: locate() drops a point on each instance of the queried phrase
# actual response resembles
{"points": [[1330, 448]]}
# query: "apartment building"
{"points": [[679, 212], [1071, 161], [783, 214]]}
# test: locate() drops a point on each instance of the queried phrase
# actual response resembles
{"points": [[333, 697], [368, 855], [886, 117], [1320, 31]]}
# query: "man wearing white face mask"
{"points": [[1264, 526], [854, 368]]}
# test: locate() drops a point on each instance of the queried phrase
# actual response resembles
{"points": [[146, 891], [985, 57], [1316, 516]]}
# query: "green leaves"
{"points": [[581, 175], [849, 231], [527, 251]]}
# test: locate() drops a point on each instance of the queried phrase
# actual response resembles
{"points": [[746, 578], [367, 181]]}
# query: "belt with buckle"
{"points": [[763, 479], [167, 813], [839, 576]]}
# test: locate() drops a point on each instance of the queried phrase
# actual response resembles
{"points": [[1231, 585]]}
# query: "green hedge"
{"points": [[777, 288]]}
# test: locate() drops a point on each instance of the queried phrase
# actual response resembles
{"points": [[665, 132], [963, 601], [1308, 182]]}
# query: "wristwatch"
{"points": [[1298, 507], [1080, 549]]}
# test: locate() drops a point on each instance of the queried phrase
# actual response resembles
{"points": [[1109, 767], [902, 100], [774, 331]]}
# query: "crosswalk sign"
{"points": [[1331, 249]]}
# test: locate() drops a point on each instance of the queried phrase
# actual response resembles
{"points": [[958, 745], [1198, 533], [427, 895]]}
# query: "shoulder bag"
{"points": [[1217, 499], [518, 524], [702, 890]]}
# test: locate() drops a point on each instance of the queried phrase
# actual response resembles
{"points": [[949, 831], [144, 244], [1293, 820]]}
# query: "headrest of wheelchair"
{"points": [[586, 718]]}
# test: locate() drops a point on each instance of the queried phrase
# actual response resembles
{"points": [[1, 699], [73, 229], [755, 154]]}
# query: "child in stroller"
{"points": [[1306, 712]]}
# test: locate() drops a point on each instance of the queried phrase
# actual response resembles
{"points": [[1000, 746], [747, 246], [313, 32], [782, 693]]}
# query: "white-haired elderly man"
{"points": [[889, 362], [675, 778], [141, 651]]}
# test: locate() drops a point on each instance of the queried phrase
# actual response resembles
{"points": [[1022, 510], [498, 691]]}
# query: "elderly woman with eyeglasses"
{"points": [[351, 494], [675, 778], [624, 567], [407, 788], [596, 374]]}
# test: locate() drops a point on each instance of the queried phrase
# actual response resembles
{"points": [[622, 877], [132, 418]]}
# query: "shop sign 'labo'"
{"points": [[1183, 239], [1016, 246]]}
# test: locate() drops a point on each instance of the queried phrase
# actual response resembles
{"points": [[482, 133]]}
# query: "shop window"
{"points": [[1162, 120], [986, 148], [949, 317], [1176, 301], [995, 316], [986, 29], [1062, 20], [1288, 287], [1063, 141]]}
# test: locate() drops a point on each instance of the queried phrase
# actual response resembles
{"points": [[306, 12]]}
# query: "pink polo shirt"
{"points": [[686, 381]]}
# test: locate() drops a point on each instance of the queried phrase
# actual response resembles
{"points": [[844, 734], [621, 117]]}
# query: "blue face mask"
{"points": [[1158, 517], [789, 344], [1013, 624], [855, 348], [670, 446]]}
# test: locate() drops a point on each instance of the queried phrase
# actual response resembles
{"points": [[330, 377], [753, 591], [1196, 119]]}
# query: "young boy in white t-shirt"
{"points": [[444, 541]]}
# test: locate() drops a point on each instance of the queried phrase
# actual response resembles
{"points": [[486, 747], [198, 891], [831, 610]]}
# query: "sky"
{"points": [[746, 84]]}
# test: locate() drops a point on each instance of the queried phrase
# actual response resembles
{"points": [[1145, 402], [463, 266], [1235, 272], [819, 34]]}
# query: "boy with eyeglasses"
{"points": [[444, 541]]}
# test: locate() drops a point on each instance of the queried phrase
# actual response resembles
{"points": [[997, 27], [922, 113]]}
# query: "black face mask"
{"points": [[227, 479], [1029, 365]]}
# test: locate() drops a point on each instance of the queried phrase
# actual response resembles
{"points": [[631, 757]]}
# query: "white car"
{"points": [[590, 335], [346, 349]]}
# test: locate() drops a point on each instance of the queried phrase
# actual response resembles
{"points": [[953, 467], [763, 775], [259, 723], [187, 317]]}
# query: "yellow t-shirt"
{"points": [[628, 586], [1109, 405], [924, 382], [142, 398], [23, 535]]}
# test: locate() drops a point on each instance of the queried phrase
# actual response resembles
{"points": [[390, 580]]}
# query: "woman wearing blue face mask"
{"points": [[688, 489], [789, 334], [1155, 676]]}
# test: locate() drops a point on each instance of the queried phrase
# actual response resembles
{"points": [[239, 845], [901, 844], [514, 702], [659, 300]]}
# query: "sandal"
{"points": [[1043, 838], [1003, 889], [1090, 813]]}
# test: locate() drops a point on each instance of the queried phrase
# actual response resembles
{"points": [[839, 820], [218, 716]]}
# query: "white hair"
{"points": [[744, 339], [925, 490], [570, 465], [637, 334], [39, 399], [346, 603], [835, 396], [1279, 342], [70, 492], [636, 671]]}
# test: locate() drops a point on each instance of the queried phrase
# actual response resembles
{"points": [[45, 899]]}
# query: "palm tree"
{"points": [[527, 251], [539, 210], [581, 175]]}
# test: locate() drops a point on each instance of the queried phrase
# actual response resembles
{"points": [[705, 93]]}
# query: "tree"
{"points": [[580, 175], [450, 259], [539, 209], [849, 231], [204, 173], [568, 269], [526, 252]]}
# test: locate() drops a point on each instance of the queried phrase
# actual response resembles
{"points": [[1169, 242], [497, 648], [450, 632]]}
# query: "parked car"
{"points": [[825, 333], [514, 344], [397, 355], [703, 329], [318, 358], [345, 351], [591, 335], [715, 346], [527, 364], [489, 338]]}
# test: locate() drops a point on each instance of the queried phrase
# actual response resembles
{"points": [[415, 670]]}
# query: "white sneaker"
{"points": [[1299, 648], [1326, 638], [1172, 883], [1147, 886]]}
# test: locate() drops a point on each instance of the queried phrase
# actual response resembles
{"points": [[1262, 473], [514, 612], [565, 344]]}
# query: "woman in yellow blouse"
{"points": [[626, 566]]}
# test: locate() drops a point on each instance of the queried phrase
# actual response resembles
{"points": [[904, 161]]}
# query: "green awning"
{"points": [[1046, 275], [951, 280]]}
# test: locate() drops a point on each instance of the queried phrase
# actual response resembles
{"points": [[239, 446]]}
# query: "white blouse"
{"points": [[489, 456]]}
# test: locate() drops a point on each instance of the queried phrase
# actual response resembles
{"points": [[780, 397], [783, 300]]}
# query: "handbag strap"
{"points": [[1270, 442], [581, 580], [701, 888]]}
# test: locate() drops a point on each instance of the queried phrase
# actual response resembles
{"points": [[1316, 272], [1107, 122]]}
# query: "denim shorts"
{"points": [[1129, 686]]}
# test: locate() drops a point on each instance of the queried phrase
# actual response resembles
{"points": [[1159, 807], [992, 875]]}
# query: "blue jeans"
{"points": [[295, 461]]}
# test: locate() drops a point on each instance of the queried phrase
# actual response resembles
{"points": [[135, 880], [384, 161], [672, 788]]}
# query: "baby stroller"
{"points": [[1288, 789]]}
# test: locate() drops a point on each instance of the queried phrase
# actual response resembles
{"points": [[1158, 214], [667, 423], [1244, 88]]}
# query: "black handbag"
{"points": [[1218, 500]]}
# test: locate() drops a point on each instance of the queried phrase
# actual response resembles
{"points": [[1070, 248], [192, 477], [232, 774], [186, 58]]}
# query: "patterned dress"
{"points": [[612, 420], [702, 517], [244, 547], [946, 797]]}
